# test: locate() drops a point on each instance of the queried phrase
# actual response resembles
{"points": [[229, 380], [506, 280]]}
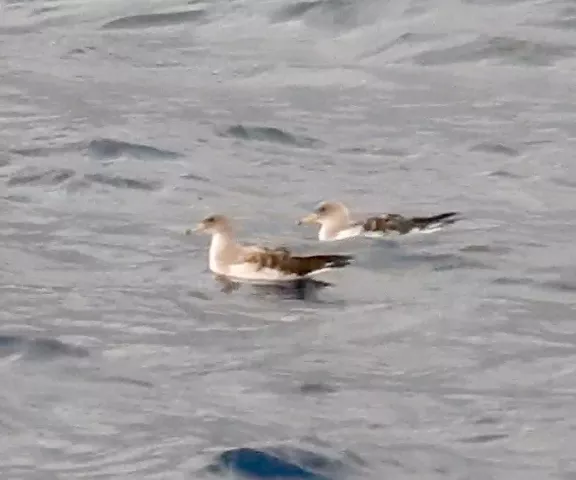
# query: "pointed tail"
{"points": [[312, 264], [440, 220], [333, 261]]}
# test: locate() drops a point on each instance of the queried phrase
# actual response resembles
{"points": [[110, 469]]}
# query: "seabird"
{"points": [[336, 223], [232, 262]]}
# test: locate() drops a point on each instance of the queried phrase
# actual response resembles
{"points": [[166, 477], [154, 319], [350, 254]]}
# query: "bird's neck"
{"points": [[222, 248], [330, 228]]}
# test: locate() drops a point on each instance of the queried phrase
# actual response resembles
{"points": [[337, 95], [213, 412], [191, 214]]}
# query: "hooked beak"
{"points": [[197, 229], [311, 218]]}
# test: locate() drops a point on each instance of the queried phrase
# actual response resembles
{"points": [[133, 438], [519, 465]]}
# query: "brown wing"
{"points": [[282, 259], [311, 263], [392, 222], [268, 257]]}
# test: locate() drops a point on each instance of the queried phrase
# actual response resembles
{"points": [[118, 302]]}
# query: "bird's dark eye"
{"points": [[321, 209], [210, 220]]}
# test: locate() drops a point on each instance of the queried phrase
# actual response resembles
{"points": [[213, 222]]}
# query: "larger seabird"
{"points": [[231, 261]]}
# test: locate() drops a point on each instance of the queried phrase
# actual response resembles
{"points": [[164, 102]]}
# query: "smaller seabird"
{"points": [[336, 223], [232, 262]]}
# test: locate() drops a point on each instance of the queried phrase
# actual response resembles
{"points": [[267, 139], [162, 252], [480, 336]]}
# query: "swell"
{"points": [[156, 19], [39, 348], [269, 134]]}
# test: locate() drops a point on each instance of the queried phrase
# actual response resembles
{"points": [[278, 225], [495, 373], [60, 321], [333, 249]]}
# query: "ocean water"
{"points": [[442, 356]]}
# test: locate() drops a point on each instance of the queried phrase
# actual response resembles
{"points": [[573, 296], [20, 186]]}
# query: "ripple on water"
{"points": [[436, 261], [156, 19], [34, 176], [486, 438], [560, 285], [194, 176], [295, 11], [505, 50], [46, 150], [122, 182], [376, 151], [334, 14], [282, 462], [4, 160], [497, 148], [269, 134], [508, 280], [564, 182], [504, 174], [316, 388], [108, 149], [39, 348], [477, 248]]}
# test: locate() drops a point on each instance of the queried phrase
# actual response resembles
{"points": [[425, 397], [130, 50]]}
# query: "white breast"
{"points": [[221, 254], [348, 233]]}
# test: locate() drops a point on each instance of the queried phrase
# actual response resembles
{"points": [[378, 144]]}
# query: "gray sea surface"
{"points": [[442, 356]]}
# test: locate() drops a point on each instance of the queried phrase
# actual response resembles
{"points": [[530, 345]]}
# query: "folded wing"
{"points": [[396, 223], [282, 260]]}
